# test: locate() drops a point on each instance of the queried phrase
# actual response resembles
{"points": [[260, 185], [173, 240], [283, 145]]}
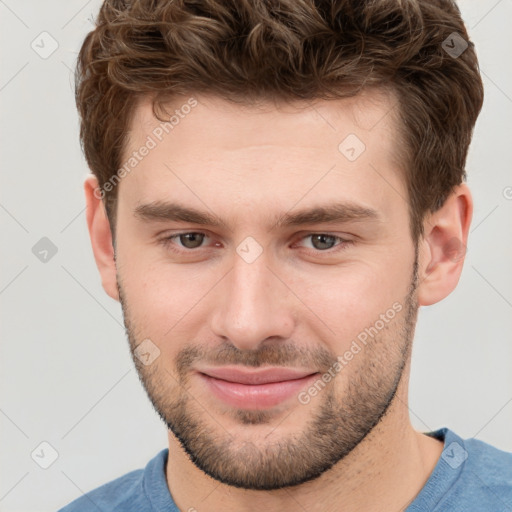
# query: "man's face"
{"points": [[333, 302]]}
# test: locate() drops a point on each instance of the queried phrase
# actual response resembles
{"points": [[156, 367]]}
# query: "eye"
{"points": [[322, 242], [190, 240]]}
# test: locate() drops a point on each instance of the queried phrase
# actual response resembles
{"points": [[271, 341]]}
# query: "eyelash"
{"points": [[344, 244]]}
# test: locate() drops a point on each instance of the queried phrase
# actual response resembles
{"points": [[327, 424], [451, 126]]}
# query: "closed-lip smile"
{"points": [[255, 388]]}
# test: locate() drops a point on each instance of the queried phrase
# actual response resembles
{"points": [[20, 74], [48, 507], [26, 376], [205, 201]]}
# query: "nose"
{"points": [[252, 305]]}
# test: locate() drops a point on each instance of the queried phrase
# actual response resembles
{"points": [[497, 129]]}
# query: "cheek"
{"points": [[165, 300], [172, 303], [348, 299]]}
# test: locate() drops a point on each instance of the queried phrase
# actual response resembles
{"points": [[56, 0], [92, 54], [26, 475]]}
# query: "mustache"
{"points": [[286, 354]]}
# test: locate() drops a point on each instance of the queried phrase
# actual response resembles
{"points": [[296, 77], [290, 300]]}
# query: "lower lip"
{"points": [[252, 396]]}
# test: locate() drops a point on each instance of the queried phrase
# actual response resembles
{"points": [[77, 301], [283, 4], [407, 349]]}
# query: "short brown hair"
{"points": [[286, 50]]}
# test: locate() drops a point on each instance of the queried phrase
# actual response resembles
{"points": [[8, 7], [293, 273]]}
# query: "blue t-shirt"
{"points": [[470, 476]]}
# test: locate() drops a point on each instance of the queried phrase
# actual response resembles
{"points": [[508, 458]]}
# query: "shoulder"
{"points": [[485, 477], [126, 493], [109, 496], [470, 476], [490, 465]]}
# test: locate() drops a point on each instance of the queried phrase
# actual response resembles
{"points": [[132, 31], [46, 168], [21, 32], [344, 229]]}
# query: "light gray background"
{"points": [[66, 376]]}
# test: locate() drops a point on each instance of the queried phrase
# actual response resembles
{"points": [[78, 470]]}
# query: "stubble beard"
{"points": [[340, 424]]}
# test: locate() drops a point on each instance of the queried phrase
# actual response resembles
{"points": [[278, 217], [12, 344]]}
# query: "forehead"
{"points": [[371, 113], [208, 147]]}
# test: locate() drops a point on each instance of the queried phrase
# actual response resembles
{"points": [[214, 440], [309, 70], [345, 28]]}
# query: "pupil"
{"points": [[322, 239]]}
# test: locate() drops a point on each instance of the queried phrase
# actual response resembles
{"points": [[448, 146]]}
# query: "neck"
{"points": [[385, 471]]}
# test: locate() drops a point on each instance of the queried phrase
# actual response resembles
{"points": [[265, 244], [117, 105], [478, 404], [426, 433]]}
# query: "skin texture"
{"points": [[352, 446]]}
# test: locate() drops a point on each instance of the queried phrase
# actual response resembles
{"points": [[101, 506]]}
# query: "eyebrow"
{"points": [[329, 213]]}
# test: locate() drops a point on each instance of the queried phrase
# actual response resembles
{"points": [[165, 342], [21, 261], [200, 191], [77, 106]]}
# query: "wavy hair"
{"points": [[286, 50]]}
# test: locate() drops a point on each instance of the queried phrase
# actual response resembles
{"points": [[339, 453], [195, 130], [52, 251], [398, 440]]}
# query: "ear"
{"points": [[443, 246], [101, 236]]}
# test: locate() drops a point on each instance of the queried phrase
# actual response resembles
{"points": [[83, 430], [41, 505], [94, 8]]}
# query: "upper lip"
{"points": [[261, 376]]}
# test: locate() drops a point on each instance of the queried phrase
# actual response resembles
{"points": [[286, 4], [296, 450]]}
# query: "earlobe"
{"points": [[101, 237], [443, 247]]}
